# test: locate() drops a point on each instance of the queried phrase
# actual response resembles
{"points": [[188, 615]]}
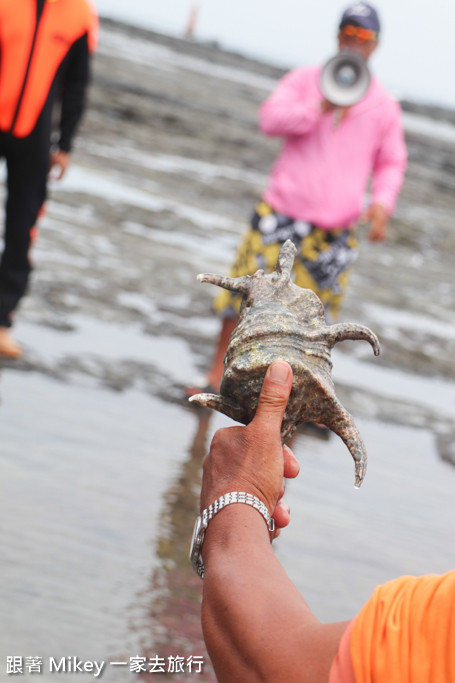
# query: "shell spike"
{"points": [[286, 259], [345, 427], [236, 284], [217, 402], [342, 331]]}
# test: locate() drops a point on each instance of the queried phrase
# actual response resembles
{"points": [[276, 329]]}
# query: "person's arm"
{"points": [[75, 80], [291, 109], [388, 175], [74, 74], [257, 626]]}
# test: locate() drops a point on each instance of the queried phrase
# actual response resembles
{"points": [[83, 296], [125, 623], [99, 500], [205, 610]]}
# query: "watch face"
{"points": [[196, 542]]}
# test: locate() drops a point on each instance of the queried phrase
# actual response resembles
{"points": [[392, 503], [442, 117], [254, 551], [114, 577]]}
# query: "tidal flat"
{"points": [[102, 455]]}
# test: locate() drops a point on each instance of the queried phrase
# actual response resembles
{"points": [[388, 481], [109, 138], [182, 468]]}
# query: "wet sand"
{"points": [[101, 457]]}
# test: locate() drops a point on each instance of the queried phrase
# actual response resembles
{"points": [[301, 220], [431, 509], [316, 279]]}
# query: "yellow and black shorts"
{"points": [[323, 263]]}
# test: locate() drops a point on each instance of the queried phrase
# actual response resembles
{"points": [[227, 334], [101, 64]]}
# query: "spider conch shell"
{"points": [[279, 320]]}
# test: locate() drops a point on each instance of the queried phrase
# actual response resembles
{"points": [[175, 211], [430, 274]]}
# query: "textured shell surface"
{"points": [[279, 320]]}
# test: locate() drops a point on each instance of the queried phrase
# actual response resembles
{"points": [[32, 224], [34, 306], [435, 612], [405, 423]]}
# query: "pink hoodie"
{"points": [[322, 172]]}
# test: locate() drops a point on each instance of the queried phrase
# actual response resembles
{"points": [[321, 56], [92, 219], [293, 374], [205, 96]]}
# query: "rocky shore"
{"points": [[103, 455], [175, 122]]}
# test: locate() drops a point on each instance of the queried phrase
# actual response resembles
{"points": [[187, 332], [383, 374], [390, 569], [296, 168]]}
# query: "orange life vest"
{"points": [[31, 52]]}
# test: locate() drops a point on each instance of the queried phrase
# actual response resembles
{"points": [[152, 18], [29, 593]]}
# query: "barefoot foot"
{"points": [[8, 347]]}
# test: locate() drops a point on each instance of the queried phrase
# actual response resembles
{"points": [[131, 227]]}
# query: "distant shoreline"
{"points": [[211, 50]]}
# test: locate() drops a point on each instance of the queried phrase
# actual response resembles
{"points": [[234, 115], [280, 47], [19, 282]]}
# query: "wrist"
{"points": [[234, 534], [381, 205], [241, 499]]}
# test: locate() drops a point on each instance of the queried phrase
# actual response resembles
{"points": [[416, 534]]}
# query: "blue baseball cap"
{"points": [[361, 14]]}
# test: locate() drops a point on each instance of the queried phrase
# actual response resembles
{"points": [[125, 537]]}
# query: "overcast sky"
{"points": [[416, 57]]}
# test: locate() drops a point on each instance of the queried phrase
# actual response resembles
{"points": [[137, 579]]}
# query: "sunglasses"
{"points": [[363, 34]]}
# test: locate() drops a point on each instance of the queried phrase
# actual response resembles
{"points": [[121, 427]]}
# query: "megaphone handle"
{"points": [[327, 106], [339, 113]]}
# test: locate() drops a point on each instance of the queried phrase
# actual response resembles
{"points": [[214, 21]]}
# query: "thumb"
{"points": [[274, 396]]}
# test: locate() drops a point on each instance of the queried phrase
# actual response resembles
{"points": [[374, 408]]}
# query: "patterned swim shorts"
{"points": [[323, 262]]}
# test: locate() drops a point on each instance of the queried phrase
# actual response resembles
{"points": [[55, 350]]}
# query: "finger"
{"points": [[273, 397], [326, 106], [282, 490], [54, 172], [377, 233], [291, 464], [281, 514]]}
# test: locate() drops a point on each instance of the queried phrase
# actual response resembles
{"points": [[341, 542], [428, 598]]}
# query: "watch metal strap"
{"points": [[238, 497], [211, 511]]}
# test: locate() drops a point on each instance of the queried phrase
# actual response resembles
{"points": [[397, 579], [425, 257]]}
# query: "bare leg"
{"points": [[217, 368]]}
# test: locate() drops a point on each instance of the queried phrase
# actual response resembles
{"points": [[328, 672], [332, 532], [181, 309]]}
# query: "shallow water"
{"points": [[85, 475], [343, 542], [91, 566], [100, 455]]}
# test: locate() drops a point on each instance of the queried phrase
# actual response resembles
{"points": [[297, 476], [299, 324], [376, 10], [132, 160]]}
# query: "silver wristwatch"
{"points": [[204, 518]]}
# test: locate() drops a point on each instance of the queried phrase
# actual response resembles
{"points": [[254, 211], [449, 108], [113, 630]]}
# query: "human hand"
{"points": [[58, 163], [377, 215], [340, 113], [282, 513], [252, 458]]}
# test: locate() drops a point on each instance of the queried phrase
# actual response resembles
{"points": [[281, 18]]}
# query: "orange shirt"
{"points": [[405, 633], [31, 54]]}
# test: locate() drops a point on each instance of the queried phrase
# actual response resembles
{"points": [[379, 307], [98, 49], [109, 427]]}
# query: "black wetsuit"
{"points": [[25, 136]]}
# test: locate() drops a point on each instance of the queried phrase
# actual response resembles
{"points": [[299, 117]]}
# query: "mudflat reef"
{"points": [[166, 170]]}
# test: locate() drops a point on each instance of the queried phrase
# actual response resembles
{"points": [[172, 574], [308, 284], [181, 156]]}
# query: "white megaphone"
{"points": [[345, 78]]}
